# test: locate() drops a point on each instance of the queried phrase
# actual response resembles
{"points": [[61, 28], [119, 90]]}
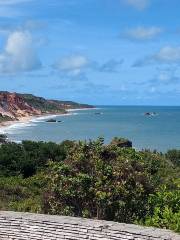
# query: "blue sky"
{"points": [[123, 52]]}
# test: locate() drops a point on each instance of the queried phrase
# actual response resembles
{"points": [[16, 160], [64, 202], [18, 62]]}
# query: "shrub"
{"points": [[164, 209], [97, 181]]}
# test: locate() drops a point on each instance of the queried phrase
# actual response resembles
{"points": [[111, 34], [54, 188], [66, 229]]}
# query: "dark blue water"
{"points": [[161, 132]]}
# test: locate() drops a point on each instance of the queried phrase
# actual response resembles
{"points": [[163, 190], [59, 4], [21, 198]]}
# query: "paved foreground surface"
{"points": [[26, 226]]}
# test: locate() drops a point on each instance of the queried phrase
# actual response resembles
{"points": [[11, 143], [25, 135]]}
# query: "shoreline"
{"points": [[26, 120], [30, 119]]}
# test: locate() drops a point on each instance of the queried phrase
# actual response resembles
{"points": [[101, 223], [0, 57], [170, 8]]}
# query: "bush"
{"points": [[164, 209], [18, 194], [97, 181], [27, 158], [91, 179], [174, 156]]}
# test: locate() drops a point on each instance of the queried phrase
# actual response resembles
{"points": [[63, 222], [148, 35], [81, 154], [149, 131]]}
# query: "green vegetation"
{"points": [[50, 105], [3, 138], [90, 179], [42, 104], [164, 209], [174, 156], [5, 118]]}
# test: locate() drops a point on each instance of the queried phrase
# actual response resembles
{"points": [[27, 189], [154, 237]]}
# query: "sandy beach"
{"points": [[25, 120], [9, 123], [22, 122]]}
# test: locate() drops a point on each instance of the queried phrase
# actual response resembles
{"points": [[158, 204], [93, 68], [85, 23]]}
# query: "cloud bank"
{"points": [[76, 65], [166, 55], [72, 65], [19, 54], [142, 33], [138, 4], [110, 66]]}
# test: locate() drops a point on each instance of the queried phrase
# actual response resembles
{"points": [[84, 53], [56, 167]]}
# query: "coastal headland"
{"points": [[16, 107]]}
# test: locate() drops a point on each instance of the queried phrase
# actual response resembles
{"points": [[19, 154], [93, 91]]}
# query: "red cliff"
{"points": [[14, 106]]}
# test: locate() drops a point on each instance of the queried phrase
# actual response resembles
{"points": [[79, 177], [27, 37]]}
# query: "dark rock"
{"points": [[51, 120], [150, 114], [98, 113], [121, 142], [147, 114], [3, 138]]}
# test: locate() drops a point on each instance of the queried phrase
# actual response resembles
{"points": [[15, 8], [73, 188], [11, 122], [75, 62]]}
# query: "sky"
{"points": [[102, 52]]}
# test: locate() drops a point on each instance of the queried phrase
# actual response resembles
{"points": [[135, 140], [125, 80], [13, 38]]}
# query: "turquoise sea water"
{"points": [[161, 132]]}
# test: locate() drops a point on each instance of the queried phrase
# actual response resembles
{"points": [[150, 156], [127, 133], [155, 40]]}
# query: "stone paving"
{"points": [[27, 226]]}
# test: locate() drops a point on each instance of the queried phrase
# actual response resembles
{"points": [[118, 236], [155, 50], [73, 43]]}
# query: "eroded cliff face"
{"points": [[15, 107]]}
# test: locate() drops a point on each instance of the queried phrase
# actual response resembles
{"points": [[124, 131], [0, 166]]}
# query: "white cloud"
{"points": [[143, 33], [110, 66], [168, 54], [164, 76], [19, 54], [72, 64], [138, 4], [78, 65]]}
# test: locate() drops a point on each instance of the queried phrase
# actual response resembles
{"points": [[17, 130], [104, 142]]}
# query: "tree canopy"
{"points": [[92, 179]]}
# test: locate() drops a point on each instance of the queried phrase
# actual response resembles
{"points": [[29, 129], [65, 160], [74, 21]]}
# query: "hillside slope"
{"points": [[14, 106], [51, 105]]}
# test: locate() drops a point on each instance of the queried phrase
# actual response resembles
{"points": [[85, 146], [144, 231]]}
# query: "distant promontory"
{"points": [[15, 106]]}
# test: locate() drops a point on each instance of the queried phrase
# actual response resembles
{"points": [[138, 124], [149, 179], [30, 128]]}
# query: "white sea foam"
{"points": [[42, 118], [20, 126]]}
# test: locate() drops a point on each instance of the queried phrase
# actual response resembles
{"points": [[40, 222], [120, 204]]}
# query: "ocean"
{"points": [[160, 131]]}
